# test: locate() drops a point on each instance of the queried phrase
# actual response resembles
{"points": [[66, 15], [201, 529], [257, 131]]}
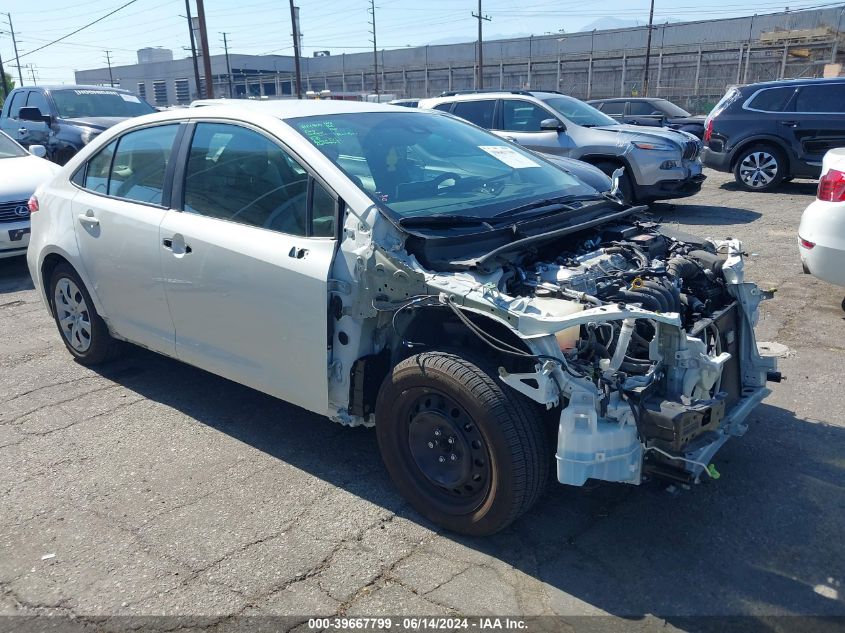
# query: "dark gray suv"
{"points": [[66, 118], [769, 132]]}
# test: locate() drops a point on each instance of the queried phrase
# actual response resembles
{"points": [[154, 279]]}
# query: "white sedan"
{"points": [[20, 173], [821, 235]]}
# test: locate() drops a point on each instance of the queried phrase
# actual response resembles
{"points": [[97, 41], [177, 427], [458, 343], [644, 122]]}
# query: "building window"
{"points": [[183, 92], [142, 90], [160, 92]]}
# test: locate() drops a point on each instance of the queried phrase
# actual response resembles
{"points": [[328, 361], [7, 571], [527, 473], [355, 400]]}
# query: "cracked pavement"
{"points": [[164, 490]]}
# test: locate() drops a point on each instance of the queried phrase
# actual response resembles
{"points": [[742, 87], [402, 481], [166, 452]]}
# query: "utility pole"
{"points": [[3, 79], [193, 46], [648, 49], [15, 44], [206, 58], [372, 11], [228, 66], [108, 62], [481, 17], [294, 20]]}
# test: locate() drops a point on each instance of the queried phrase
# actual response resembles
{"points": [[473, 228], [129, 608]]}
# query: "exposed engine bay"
{"points": [[640, 334]]}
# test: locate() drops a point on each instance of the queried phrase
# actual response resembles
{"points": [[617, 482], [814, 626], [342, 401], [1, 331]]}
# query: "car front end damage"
{"points": [[637, 338]]}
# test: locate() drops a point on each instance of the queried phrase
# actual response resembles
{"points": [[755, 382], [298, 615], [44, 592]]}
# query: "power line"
{"points": [[81, 28]]}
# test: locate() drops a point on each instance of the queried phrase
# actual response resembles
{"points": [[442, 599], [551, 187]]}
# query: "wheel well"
{"points": [[763, 143], [598, 160], [47, 267], [427, 328]]}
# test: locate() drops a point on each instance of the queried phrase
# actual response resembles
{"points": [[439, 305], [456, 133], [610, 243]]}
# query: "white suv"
{"points": [[488, 312]]}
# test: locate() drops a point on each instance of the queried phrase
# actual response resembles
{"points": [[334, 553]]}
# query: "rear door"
{"points": [[123, 200], [520, 121], [246, 264], [818, 124], [482, 112]]}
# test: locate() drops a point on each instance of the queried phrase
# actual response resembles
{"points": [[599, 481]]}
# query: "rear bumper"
{"points": [[667, 189], [823, 224], [720, 161], [14, 238]]}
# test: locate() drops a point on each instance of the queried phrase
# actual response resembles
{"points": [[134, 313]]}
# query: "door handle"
{"points": [[789, 123], [168, 244], [89, 218], [298, 253], [22, 130]]}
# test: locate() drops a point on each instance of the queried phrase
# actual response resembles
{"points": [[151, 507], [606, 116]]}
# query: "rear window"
{"points": [[478, 112], [772, 99], [731, 96], [821, 98]]}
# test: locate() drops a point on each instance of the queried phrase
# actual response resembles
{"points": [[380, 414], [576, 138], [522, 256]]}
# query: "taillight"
{"points": [[832, 186], [32, 204], [708, 130], [806, 243]]}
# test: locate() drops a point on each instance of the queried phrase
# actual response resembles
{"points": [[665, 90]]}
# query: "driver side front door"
{"points": [[246, 263]]}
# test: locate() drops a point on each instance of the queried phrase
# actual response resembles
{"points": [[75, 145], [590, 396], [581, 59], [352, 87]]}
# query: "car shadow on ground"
{"points": [[709, 215], [793, 187], [763, 539], [14, 275]]}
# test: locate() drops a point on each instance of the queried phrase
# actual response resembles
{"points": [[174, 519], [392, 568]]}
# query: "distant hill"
{"points": [[606, 24]]}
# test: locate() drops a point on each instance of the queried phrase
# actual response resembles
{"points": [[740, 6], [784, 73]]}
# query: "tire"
{"points": [[760, 168], [843, 304], [434, 411], [626, 183], [83, 331]]}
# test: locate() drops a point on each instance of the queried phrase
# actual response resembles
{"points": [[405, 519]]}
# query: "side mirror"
{"points": [[38, 150], [553, 125], [30, 113]]}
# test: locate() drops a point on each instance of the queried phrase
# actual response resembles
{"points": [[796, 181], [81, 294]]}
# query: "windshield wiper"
{"points": [[441, 220], [547, 202]]}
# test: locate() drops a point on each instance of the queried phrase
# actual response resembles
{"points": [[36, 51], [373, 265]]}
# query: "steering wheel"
{"points": [[449, 175]]}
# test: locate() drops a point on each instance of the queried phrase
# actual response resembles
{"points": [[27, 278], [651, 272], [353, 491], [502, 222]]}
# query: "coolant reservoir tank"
{"points": [[589, 447], [567, 338]]}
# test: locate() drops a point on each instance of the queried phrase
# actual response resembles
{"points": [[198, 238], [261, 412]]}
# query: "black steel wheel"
{"points": [[466, 451]]}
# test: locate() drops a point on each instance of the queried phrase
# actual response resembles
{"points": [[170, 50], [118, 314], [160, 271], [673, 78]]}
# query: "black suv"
{"points": [[770, 132], [66, 118], [650, 111]]}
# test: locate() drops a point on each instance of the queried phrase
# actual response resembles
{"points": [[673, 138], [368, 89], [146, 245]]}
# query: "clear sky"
{"points": [[262, 26]]}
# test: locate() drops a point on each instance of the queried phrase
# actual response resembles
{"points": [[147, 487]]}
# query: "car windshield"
{"points": [[76, 103], [670, 108], [10, 149], [427, 164], [579, 112]]}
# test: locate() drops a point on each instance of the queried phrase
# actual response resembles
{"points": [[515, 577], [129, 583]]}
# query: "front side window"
{"points": [[821, 98], [478, 112], [240, 175], [413, 164], [522, 116], [91, 102], [38, 100], [772, 99], [579, 112], [140, 164]]}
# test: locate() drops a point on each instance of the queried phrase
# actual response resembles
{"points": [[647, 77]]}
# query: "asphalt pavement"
{"points": [[148, 487]]}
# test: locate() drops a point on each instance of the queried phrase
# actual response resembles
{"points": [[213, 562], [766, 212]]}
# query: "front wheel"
{"points": [[464, 450], [760, 168]]}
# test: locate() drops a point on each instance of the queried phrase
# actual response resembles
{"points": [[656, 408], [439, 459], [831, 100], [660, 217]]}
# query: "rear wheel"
{"points": [[83, 331], [760, 168], [465, 451]]}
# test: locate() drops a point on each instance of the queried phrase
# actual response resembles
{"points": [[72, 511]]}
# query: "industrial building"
{"points": [[691, 63]]}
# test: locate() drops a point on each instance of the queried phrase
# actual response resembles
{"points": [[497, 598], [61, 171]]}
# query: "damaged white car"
{"points": [[487, 311]]}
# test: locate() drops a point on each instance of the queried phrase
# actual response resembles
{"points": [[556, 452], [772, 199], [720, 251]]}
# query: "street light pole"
{"points": [[648, 49]]}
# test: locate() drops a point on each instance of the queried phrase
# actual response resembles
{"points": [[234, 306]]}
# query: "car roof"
{"points": [[48, 87], [280, 109], [612, 99], [495, 94], [794, 82]]}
